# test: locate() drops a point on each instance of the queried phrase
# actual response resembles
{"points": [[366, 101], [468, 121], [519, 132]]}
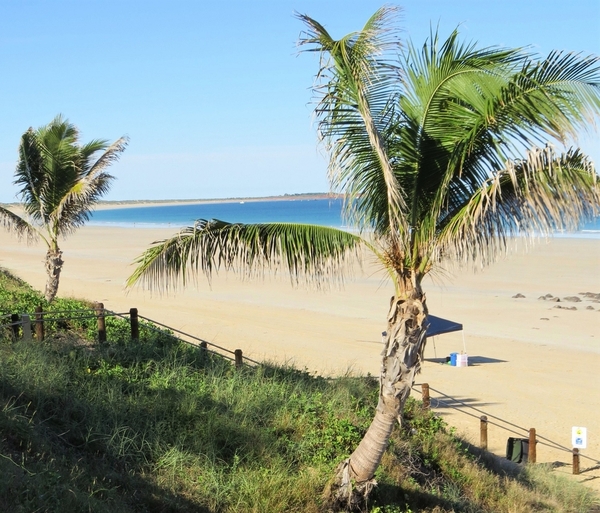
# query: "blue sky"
{"points": [[214, 96]]}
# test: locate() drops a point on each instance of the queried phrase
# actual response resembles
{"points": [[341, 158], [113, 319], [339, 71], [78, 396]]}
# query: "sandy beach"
{"points": [[532, 364]]}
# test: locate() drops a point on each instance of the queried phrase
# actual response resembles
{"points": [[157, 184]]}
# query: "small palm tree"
{"points": [[60, 182], [437, 153]]}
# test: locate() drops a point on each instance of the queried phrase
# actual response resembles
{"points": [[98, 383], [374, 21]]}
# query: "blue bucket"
{"points": [[453, 359]]}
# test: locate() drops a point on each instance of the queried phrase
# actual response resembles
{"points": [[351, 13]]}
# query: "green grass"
{"points": [[157, 426]]}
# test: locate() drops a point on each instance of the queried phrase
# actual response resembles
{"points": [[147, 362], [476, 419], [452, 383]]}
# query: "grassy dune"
{"points": [[157, 426]]}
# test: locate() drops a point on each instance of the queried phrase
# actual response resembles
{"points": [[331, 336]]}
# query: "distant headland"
{"points": [[285, 197]]}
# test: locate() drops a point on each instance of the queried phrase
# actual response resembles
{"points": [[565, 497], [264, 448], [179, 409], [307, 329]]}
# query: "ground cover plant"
{"points": [[159, 425]]}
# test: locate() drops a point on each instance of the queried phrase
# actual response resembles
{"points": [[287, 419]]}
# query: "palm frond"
{"points": [[48, 166], [447, 88], [91, 183], [557, 96], [532, 197], [309, 253], [59, 178], [465, 112], [357, 88], [30, 175], [76, 204], [111, 154], [16, 224]]}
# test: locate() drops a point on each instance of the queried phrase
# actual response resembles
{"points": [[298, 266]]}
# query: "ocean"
{"points": [[324, 212]]}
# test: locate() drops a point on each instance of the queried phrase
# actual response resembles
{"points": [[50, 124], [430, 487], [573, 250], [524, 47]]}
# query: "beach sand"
{"points": [[532, 365]]}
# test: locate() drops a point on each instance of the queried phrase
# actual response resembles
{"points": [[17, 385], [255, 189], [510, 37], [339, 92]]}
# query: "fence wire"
{"points": [[194, 338], [45, 318], [151, 327], [95, 313], [546, 441], [88, 310]]}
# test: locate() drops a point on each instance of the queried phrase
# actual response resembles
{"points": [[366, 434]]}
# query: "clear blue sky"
{"points": [[214, 96]]}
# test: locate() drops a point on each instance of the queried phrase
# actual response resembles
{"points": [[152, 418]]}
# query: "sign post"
{"points": [[578, 441]]}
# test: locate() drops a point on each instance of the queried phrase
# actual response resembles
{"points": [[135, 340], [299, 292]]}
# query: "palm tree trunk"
{"points": [[401, 361], [54, 263]]}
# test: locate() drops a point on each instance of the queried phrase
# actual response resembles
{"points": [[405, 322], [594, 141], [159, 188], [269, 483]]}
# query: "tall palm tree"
{"points": [[443, 153], [60, 182]]}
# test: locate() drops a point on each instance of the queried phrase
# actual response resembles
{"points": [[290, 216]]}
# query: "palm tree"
{"points": [[60, 182], [443, 154]]}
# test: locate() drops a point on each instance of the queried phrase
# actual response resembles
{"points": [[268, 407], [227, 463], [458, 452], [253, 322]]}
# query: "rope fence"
{"points": [[533, 437], [203, 344], [30, 325], [196, 339]]}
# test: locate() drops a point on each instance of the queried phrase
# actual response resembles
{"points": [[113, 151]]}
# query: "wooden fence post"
{"points": [[531, 457], [203, 349], [26, 325], [426, 398], [39, 323], [239, 358], [135, 324], [101, 322], [14, 320], [576, 461], [483, 432]]}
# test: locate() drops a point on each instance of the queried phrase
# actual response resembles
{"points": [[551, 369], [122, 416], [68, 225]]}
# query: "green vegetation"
{"points": [[157, 425]]}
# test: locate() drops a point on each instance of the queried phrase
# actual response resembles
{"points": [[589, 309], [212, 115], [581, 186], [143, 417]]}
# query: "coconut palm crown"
{"points": [[443, 153], [60, 181]]}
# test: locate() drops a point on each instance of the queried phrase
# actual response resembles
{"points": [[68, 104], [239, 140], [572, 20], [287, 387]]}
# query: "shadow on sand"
{"points": [[459, 403], [474, 361]]}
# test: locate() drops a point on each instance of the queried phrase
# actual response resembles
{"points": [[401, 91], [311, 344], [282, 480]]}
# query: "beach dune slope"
{"points": [[535, 360]]}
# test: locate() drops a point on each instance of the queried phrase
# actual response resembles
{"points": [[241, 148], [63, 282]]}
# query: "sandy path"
{"points": [[532, 364]]}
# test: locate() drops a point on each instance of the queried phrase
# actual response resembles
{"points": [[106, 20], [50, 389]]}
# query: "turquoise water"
{"points": [[324, 212]]}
